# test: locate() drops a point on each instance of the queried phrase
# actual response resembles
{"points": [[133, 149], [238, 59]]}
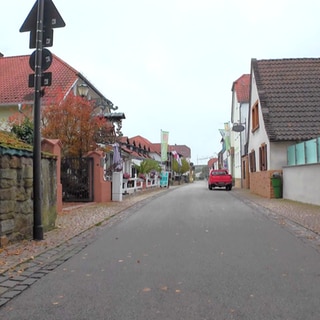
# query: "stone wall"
{"points": [[16, 202]]}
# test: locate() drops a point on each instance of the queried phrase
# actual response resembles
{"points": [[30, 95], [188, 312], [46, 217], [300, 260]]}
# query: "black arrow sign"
{"points": [[51, 19]]}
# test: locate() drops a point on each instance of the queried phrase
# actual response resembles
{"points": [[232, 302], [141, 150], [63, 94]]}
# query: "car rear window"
{"points": [[218, 173]]}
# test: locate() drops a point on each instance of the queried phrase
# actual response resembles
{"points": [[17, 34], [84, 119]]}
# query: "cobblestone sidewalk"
{"points": [[305, 215]]}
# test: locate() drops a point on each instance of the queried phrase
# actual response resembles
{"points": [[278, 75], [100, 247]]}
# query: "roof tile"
{"points": [[289, 94], [14, 73]]}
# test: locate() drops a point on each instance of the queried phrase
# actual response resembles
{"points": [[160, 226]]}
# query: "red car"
{"points": [[219, 178]]}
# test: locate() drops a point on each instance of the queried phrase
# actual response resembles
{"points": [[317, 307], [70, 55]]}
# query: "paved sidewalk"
{"points": [[305, 215]]}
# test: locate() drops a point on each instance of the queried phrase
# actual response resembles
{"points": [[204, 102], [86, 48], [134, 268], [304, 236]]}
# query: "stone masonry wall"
{"points": [[16, 202]]}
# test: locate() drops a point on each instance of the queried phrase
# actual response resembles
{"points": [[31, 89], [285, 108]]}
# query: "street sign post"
{"points": [[41, 20]]}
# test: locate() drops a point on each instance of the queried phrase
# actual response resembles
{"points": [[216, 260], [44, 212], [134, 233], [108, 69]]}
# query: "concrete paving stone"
{"points": [[35, 268], [50, 267], [19, 278], [21, 288], [38, 275], [26, 273], [3, 290], [3, 278], [29, 265], [9, 284], [28, 282], [44, 257], [3, 301], [11, 294]]}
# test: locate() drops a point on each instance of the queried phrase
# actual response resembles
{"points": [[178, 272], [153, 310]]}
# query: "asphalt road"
{"points": [[191, 253]]}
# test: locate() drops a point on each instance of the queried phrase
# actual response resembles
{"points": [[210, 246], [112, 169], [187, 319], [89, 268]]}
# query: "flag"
{"points": [[164, 145], [227, 135], [176, 156], [117, 160]]}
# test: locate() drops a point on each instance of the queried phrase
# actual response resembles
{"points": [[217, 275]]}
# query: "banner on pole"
{"points": [[164, 145], [164, 179]]}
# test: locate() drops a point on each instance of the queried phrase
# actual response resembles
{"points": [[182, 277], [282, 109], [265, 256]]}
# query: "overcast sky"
{"points": [[170, 64]]}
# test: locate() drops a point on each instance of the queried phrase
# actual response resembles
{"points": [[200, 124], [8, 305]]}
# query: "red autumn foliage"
{"points": [[73, 122]]}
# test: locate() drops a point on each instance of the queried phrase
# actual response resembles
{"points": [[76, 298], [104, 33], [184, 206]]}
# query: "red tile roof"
{"points": [[242, 88], [156, 147], [14, 73], [181, 149]]}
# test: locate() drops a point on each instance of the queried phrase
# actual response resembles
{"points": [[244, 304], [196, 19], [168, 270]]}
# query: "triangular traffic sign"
{"points": [[51, 17]]}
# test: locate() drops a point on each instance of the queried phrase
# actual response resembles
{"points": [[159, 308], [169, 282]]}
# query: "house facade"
{"points": [[16, 96], [239, 133], [284, 96]]}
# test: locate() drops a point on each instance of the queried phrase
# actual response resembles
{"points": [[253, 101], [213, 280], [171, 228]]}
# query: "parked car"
{"points": [[220, 179]]}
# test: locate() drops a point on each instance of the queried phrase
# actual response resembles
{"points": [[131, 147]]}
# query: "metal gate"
{"points": [[77, 179]]}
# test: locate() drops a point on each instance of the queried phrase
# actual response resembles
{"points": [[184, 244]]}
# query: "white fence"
{"points": [[132, 185]]}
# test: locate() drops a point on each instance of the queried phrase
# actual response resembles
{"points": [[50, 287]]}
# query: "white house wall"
{"points": [[295, 186], [259, 136], [279, 155], [237, 156], [278, 150], [155, 156], [235, 138], [244, 119]]}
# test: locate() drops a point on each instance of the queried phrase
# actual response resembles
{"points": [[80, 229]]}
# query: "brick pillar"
{"points": [[53, 146], [101, 188]]}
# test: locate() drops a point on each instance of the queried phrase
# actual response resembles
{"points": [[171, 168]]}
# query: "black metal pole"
{"points": [[37, 194]]}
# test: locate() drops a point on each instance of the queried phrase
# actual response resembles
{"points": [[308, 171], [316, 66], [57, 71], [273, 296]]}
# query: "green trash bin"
{"points": [[277, 185]]}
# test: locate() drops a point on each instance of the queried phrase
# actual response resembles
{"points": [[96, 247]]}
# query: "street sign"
{"points": [[51, 19], [45, 61], [238, 127], [47, 38], [46, 79]]}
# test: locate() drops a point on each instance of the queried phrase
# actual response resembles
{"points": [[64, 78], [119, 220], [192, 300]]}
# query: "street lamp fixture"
{"points": [[83, 90]]}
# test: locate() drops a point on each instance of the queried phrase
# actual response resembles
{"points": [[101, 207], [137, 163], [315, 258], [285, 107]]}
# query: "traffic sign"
{"points": [[47, 38], [46, 60], [51, 19], [46, 79]]}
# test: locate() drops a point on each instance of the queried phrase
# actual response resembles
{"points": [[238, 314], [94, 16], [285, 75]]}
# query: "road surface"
{"points": [[190, 253]]}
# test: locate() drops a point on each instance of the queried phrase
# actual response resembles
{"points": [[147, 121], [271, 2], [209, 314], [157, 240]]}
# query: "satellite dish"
{"points": [[237, 127]]}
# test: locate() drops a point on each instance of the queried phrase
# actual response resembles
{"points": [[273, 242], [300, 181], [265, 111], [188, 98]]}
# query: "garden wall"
{"points": [[16, 191]]}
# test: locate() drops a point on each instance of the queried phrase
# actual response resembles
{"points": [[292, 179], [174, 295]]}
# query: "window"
{"points": [[263, 157], [252, 161], [255, 117], [244, 169], [218, 173]]}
